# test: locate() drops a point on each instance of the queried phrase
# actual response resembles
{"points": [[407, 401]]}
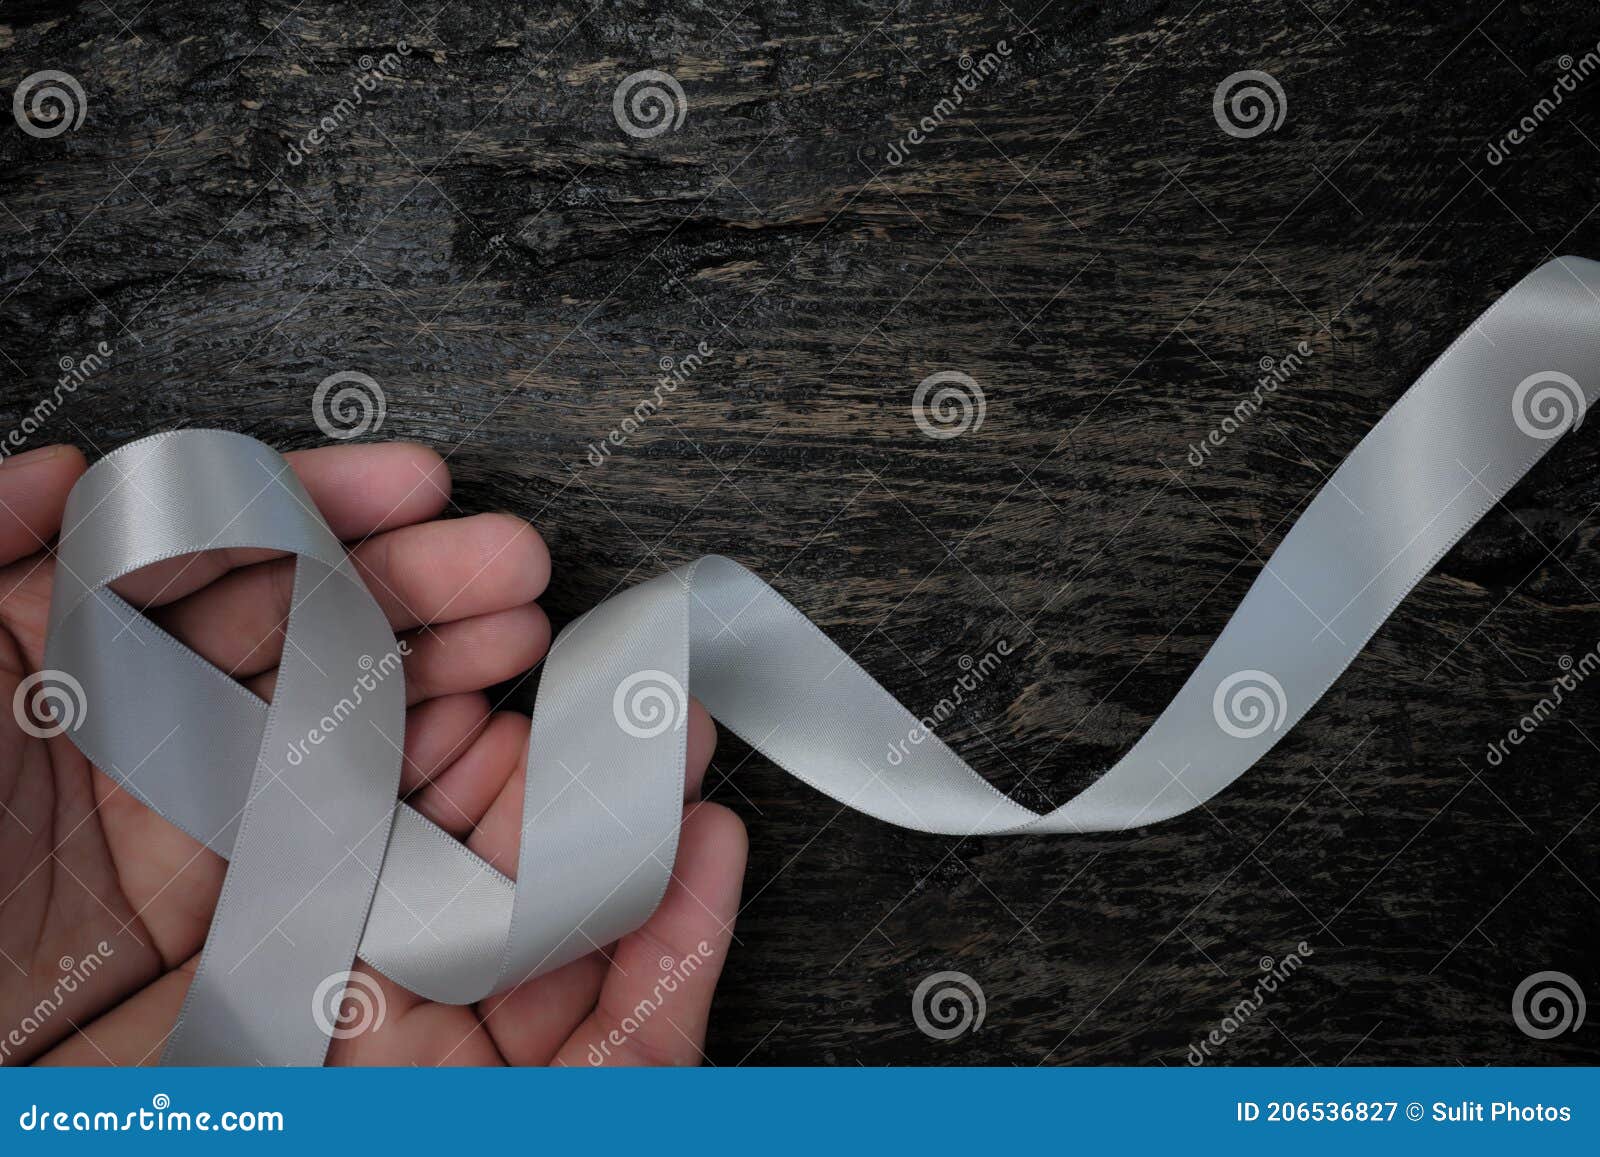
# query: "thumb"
{"points": [[33, 493]]}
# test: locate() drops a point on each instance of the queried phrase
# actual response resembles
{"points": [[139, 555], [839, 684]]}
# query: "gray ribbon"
{"points": [[300, 794]]}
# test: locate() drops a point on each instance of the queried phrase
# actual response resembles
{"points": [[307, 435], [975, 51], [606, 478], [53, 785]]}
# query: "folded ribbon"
{"points": [[300, 795]]}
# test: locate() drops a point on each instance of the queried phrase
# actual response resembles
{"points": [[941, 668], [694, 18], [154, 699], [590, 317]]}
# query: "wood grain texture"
{"points": [[1083, 240]]}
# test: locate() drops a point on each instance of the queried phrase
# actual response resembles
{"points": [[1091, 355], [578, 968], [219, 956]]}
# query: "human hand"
{"points": [[88, 874]]}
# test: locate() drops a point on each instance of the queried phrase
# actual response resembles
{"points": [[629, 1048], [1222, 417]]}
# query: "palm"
{"points": [[83, 863]]}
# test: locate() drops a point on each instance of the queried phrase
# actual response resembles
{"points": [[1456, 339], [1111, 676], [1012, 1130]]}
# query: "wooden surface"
{"points": [[1083, 240]]}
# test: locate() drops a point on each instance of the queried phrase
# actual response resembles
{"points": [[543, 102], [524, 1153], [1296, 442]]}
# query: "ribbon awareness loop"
{"points": [[301, 794]]}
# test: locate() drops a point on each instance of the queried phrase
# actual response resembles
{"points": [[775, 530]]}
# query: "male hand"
{"points": [[104, 906]]}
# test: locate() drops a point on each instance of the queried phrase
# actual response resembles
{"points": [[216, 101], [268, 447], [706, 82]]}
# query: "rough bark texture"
{"points": [[1080, 237]]}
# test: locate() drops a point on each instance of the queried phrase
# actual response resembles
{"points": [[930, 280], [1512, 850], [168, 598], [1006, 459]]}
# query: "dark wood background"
{"points": [[1110, 267]]}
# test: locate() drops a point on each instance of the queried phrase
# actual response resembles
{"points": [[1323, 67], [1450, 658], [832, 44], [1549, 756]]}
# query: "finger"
{"points": [[373, 487], [475, 653], [461, 795], [442, 572], [390, 1025], [466, 656], [497, 837], [699, 747], [360, 490], [25, 588], [527, 1024], [170, 878], [438, 733], [33, 493], [656, 998], [530, 1023], [172, 881], [133, 1033], [387, 1025], [533, 1020], [436, 572]]}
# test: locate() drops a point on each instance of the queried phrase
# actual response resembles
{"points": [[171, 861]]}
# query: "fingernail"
{"points": [[32, 457]]}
